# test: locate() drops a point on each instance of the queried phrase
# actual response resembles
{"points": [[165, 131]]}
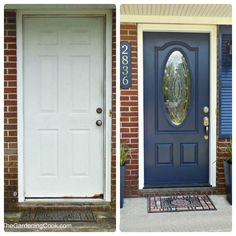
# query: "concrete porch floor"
{"points": [[106, 222], [135, 218]]}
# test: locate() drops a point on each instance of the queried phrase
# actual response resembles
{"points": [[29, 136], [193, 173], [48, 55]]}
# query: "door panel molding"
{"points": [[107, 14], [212, 30]]}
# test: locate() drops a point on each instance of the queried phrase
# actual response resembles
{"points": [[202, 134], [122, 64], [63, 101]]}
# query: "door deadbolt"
{"points": [[205, 109], [98, 122], [99, 110]]}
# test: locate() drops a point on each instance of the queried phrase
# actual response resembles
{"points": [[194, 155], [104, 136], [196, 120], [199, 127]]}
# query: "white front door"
{"points": [[63, 87]]}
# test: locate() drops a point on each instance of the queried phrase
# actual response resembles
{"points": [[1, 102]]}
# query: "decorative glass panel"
{"points": [[177, 87]]}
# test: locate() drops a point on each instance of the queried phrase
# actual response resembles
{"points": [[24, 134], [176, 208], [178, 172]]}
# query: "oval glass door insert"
{"points": [[177, 87]]}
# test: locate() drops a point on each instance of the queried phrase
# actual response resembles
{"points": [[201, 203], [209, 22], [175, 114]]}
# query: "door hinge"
{"points": [[110, 112]]}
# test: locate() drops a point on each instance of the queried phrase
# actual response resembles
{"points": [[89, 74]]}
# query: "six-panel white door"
{"points": [[63, 87]]}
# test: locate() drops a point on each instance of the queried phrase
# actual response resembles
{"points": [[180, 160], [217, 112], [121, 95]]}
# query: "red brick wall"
{"points": [[129, 123], [129, 114], [222, 143], [10, 112]]}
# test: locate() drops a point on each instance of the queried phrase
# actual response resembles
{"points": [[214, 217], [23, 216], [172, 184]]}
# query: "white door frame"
{"points": [[107, 14], [212, 30]]}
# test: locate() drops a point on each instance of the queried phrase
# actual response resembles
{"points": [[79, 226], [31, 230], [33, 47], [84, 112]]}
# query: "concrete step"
{"points": [[105, 221], [64, 205]]}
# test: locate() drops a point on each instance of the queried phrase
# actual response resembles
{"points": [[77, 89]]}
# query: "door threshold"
{"points": [[66, 200], [180, 190]]}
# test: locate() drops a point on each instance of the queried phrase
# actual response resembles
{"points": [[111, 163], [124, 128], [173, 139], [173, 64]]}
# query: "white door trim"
{"points": [[107, 96], [212, 30]]}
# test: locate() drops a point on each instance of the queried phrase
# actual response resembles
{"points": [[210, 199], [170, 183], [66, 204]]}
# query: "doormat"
{"points": [[58, 216], [159, 204]]}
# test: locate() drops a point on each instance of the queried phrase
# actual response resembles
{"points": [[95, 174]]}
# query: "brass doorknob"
{"points": [[99, 123], [206, 127]]}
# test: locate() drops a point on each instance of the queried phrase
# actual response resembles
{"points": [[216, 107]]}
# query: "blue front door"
{"points": [[176, 109]]}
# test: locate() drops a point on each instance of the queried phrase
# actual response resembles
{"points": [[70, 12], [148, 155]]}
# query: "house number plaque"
{"points": [[125, 65]]}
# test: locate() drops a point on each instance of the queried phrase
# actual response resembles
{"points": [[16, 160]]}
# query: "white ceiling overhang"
{"points": [[58, 6], [177, 13]]}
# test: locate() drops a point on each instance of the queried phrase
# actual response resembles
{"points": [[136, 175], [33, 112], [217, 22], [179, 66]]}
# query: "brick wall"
{"points": [[129, 123], [222, 143], [10, 112], [129, 114]]}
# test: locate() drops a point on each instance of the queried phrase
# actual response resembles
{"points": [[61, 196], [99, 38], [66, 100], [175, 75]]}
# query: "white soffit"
{"points": [[58, 6], [177, 13]]}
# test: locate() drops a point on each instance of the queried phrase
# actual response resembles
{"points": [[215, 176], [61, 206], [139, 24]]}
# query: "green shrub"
{"points": [[229, 150], [124, 152]]}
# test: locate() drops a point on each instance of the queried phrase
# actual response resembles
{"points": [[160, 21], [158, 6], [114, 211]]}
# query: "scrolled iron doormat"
{"points": [[58, 216], [177, 203]]}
